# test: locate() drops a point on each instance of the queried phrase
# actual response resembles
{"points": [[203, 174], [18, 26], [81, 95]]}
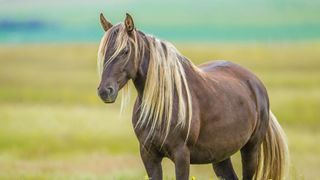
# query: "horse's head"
{"points": [[117, 57]]}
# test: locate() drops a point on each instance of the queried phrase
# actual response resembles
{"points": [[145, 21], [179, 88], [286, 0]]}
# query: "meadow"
{"points": [[54, 126]]}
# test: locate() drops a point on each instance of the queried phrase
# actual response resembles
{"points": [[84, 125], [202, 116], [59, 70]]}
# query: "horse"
{"points": [[190, 114]]}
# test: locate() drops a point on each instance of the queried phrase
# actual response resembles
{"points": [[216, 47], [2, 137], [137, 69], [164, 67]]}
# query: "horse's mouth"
{"points": [[109, 100]]}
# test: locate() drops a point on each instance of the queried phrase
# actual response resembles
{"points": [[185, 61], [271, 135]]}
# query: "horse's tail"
{"points": [[274, 155]]}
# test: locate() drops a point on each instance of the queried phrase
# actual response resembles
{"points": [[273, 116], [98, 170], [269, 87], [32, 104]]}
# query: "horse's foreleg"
{"points": [[224, 170], [152, 163], [182, 163]]}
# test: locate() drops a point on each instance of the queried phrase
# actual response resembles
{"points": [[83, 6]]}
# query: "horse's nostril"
{"points": [[109, 90]]}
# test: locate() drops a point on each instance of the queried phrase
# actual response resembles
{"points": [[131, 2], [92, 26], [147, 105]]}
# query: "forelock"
{"points": [[113, 42]]}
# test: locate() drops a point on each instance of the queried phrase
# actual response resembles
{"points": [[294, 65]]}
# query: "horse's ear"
{"points": [[129, 23], [104, 23]]}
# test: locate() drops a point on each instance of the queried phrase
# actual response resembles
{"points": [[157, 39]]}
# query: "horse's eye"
{"points": [[126, 51]]}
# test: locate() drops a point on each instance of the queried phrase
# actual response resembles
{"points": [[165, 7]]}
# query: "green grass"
{"points": [[53, 125]]}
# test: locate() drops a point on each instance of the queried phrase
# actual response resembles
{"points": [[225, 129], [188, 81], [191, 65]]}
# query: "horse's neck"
{"points": [[193, 75], [141, 76]]}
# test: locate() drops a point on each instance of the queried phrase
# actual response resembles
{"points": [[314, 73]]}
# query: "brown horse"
{"points": [[190, 114]]}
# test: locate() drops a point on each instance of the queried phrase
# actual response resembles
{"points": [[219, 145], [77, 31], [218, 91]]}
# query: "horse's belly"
{"points": [[205, 155], [217, 143], [215, 153]]}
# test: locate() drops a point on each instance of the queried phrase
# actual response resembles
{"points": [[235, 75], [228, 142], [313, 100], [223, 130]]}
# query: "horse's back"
{"points": [[213, 65], [224, 68]]}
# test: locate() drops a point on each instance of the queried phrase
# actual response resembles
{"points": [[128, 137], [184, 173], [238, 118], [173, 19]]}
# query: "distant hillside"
{"points": [[206, 20]]}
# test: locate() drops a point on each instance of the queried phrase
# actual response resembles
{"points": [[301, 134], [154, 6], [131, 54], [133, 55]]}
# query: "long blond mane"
{"points": [[166, 77]]}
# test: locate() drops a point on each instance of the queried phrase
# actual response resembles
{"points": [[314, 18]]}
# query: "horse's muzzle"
{"points": [[107, 94]]}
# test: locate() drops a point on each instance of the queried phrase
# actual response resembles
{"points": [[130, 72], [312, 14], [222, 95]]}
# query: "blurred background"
{"points": [[54, 126]]}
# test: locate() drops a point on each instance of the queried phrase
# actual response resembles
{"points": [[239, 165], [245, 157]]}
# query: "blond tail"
{"points": [[274, 155]]}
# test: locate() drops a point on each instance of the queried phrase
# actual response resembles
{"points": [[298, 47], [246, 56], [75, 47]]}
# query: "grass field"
{"points": [[53, 125]]}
